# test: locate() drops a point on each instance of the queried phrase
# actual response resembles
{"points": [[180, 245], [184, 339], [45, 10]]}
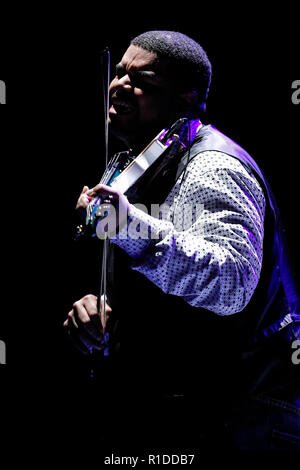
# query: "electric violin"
{"points": [[124, 172]]}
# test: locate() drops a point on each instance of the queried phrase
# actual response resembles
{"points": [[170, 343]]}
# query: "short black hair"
{"points": [[187, 59]]}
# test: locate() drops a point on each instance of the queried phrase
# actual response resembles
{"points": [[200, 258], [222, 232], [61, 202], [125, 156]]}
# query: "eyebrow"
{"points": [[120, 68]]}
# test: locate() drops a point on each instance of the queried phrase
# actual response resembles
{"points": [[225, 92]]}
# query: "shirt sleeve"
{"points": [[207, 246]]}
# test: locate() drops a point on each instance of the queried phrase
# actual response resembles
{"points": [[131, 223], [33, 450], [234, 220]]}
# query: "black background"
{"points": [[52, 144]]}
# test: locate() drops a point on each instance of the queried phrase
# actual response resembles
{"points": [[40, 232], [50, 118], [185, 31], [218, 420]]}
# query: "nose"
{"points": [[121, 84], [125, 81]]}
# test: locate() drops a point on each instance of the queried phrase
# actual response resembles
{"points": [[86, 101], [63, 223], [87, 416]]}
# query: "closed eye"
{"points": [[120, 70], [146, 80]]}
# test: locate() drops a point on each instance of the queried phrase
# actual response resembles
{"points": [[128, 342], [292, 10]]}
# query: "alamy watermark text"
{"points": [[2, 92], [2, 352], [296, 93]]}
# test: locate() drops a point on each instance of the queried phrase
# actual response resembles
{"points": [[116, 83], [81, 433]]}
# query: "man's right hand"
{"points": [[82, 203], [85, 325]]}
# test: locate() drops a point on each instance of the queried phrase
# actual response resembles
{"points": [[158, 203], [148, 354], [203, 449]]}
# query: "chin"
{"points": [[120, 133]]}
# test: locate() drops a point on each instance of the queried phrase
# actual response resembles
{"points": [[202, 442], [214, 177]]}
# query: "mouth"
{"points": [[120, 107]]}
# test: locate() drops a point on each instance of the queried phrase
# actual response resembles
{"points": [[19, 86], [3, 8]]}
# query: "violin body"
{"points": [[124, 172]]}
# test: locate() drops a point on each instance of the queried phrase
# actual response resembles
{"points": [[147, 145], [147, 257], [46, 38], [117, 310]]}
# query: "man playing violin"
{"points": [[200, 318]]}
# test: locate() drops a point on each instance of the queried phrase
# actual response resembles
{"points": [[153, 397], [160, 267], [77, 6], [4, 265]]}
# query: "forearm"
{"points": [[212, 275]]}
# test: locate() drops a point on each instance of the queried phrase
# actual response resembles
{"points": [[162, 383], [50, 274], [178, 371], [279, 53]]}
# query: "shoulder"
{"points": [[214, 160], [219, 171]]}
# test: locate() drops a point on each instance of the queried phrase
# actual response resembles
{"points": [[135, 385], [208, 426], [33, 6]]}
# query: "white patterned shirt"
{"points": [[208, 246]]}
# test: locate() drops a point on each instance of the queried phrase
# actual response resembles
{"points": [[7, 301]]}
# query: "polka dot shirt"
{"points": [[206, 243]]}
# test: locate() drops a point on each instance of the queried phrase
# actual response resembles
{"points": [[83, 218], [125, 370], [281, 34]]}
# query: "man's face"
{"points": [[141, 96]]}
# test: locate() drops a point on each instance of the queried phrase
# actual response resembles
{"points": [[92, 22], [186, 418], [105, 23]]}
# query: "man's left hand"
{"points": [[118, 200]]}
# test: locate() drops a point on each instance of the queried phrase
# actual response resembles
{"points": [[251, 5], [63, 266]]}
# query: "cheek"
{"points": [[153, 107]]}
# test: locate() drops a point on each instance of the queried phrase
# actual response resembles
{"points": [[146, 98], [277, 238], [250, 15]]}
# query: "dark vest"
{"points": [[163, 345]]}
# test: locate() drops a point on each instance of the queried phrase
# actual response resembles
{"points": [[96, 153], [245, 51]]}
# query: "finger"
{"points": [[104, 315], [80, 312], [71, 318], [93, 190], [84, 321], [91, 305], [107, 307], [85, 200], [84, 189], [101, 189]]}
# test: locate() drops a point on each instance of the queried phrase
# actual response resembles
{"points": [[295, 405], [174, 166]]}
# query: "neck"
{"points": [[137, 142]]}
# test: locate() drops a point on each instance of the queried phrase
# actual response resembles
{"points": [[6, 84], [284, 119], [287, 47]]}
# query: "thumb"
{"points": [[84, 189]]}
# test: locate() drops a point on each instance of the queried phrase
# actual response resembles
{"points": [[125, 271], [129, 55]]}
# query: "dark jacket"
{"points": [[163, 345]]}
